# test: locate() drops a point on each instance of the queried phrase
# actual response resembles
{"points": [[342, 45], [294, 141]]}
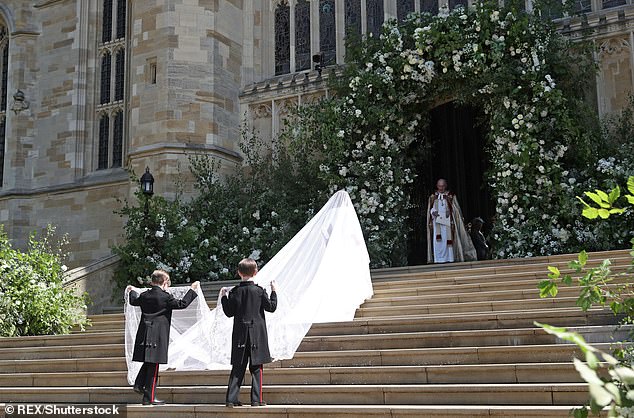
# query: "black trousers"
{"points": [[148, 379], [237, 377]]}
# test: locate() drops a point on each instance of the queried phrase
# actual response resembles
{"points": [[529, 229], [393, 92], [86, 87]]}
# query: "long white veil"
{"points": [[322, 275]]}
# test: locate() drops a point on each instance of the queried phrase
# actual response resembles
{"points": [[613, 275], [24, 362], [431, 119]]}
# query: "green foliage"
{"points": [[253, 212], [368, 138], [599, 285], [33, 299], [610, 382], [528, 80]]}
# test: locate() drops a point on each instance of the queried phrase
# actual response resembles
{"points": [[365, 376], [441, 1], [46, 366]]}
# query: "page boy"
{"points": [[153, 336], [249, 342]]}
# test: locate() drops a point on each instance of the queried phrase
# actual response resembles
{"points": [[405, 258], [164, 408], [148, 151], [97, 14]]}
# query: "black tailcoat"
{"points": [[153, 336], [247, 303]]}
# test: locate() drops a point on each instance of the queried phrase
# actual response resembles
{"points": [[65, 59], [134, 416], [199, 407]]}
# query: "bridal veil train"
{"points": [[322, 275]]}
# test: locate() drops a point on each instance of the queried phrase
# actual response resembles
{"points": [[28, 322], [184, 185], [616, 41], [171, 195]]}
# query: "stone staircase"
{"points": [[435, 341]]}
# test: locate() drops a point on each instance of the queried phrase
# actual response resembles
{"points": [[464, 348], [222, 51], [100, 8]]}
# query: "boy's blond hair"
{"points": [[247, 267]]}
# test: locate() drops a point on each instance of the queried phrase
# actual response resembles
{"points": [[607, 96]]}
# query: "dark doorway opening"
{"points": [[456, 152]]}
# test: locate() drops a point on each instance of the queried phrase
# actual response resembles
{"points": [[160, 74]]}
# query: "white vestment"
{"points": [[447, 239], [443, 252], [322, 275]]}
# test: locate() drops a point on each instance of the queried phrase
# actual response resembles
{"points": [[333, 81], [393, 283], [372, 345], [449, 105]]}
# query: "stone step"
{"points": [[458, 308], [439, 374], [455, 297], [426, 282], [447, 322], [436, 322], [529, 284], [327, 411], [463, 338], [421, 394], [349, 358], [499, 266]]}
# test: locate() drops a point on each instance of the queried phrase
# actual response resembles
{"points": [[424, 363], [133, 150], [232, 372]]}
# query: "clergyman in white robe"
{"points": [[447, 238]]}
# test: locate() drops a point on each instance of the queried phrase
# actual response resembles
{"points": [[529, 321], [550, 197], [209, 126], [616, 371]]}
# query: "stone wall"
{"points": [[96, 280]]}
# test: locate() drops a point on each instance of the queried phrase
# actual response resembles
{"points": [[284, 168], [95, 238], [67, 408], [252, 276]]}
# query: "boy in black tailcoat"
{"points": [[153, 336], [249, 341]]}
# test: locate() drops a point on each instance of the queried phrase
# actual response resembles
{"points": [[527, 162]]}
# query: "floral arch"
{"points": [[514, 66]]}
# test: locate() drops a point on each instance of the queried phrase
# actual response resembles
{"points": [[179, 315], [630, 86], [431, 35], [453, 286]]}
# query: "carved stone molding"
{"points": [[260, 110], [614, 47]]}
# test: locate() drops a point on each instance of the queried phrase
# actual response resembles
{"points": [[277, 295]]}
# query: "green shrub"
{"points": [[33, 299]]}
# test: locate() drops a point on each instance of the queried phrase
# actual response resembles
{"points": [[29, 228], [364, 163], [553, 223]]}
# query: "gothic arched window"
{"points": [[104, 134], [282, 38], [4, 71], [302, 35], [375, 16], [327, 31], [429, 6], [111, 108], [106, 32], [106, 67], [353, 17], [403, 8]]}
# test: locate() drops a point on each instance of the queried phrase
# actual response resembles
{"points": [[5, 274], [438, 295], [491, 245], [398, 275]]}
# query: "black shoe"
{"points": [[154, 402], [232, 404], [258, 403], [138, 389]]}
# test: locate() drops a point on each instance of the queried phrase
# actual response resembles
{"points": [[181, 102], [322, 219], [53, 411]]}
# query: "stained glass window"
{"points": [[375, 16], [106, 28], [106, 63], [2, 145], [119, 76], [117, 140], [4, 46], [403, 8], [104, 133], [121, 18], [282, 38], [429, 6], [302, 35], [327, 31], [111, 108], [353, 17]]}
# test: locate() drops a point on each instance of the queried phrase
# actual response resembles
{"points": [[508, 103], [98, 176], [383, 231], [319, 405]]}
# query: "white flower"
{"points": [[245, 230], [224, 270], [357, 112], [159, 234], [273, 214], [255, 255], [341, 133], [256, 215], [343, 171], [64, 267]]}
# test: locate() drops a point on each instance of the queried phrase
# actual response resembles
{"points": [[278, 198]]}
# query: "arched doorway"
{"points": [[456, 152]]}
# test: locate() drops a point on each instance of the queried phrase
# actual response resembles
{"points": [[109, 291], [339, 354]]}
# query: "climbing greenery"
{"points": [[544, 146], [527, 80]]}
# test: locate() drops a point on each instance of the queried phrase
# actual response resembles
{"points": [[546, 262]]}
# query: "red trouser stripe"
{"points": [[260, 383], [154, 382]]}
